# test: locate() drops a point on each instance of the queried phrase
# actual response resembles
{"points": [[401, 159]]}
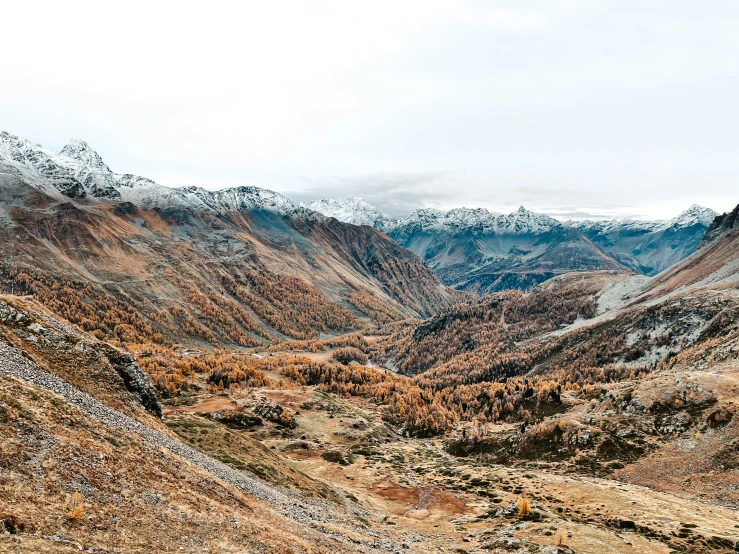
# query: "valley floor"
{"points": [[467, 504]]}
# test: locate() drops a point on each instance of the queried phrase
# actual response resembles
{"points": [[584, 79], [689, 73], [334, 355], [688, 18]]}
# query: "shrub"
{"points": [[349, 354], [341, 458], [524, 508]]}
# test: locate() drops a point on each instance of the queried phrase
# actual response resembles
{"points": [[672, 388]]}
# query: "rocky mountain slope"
{"points": [[714, 265], [86, 467], [474, 249], [241, 266], [578, 321], [666, 345], [649, 247]]}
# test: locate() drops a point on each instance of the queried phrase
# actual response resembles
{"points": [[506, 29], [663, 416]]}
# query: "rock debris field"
{"points": [[312, 512]]}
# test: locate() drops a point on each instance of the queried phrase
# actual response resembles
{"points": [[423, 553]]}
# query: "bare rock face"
{"points": [[133, 378], [722, 224], [62, 339], [237, 419]]}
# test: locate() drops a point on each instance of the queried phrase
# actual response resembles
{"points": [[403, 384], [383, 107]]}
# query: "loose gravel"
{"points": [[300, 508]]}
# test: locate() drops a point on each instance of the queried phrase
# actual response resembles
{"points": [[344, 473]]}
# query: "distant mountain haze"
{"points": [[474, 249]]}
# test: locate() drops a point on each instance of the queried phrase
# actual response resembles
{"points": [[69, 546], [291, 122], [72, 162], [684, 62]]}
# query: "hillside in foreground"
{"points": [[290, 466], [88, 465]]}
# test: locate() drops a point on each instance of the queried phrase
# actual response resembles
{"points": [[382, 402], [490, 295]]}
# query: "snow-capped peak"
{"points": [[21, 151], [78, 172], [79, 150], [349, 210], [695, 215], [522, 221]]}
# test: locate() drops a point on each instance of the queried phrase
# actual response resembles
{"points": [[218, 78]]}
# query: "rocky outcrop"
{"points": [[721, 224], [276, 413], [62, 340], [236, 419], [133, 378]]}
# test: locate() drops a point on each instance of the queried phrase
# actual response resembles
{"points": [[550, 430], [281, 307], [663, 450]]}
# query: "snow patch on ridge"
{"points": [[349, 210], [78, 172], [695, 215]]}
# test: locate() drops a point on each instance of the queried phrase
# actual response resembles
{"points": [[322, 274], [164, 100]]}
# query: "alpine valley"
{"points": [[474, 249], [185, 370]]}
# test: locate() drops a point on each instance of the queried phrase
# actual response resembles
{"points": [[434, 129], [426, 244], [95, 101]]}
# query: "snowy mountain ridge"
{"points": [[349, 210], [467, 247], [78, 172], [695, 215], [522, 221], [465, 244], [359, 212]]}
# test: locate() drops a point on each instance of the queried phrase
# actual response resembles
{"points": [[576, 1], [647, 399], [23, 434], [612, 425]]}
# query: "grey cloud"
{"points": [[396, 194], [597, 213]]}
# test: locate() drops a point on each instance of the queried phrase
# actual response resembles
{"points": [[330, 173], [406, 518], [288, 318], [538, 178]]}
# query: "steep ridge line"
{"points": [[69, 216], [299, 508], [482, 251]]}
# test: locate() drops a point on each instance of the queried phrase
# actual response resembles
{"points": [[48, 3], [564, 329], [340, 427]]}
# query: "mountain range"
{"points": [[474, 249], [90, 219], [246, 253]]}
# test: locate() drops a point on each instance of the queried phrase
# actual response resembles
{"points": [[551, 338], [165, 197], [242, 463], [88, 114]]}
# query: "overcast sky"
{"points": [[575, 108]]}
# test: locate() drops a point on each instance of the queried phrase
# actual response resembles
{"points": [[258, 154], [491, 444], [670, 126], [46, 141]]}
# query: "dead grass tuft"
{"points": [[77, 509], [561, 537]]}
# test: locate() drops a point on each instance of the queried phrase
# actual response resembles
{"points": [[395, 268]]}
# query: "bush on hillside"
{"points": [[349, 354]]}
